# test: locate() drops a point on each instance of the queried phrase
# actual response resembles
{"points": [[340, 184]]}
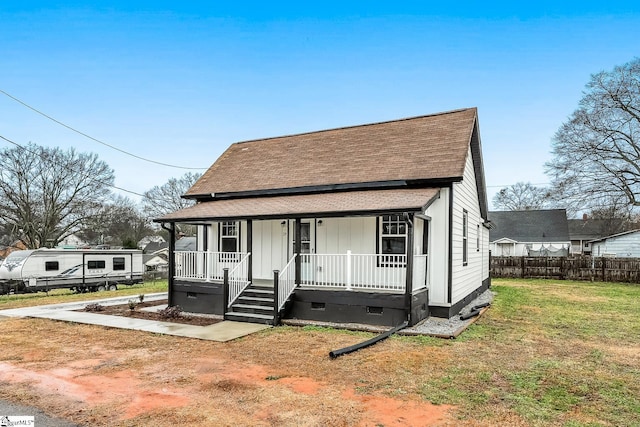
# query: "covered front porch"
{"points": [[373, 288], [354, 256]]}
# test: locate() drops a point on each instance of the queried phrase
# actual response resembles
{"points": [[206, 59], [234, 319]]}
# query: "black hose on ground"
{"points": [[472, 313], [479, 306], [336, 353]]}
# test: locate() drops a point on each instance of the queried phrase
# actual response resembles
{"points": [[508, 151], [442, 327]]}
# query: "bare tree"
{"points": [[521, 197], [161, 200], [47, 194], [119, 223], [597, 151]]}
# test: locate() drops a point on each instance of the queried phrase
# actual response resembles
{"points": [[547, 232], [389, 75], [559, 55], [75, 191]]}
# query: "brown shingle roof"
{"points": [[421, 148], [318, 205]]}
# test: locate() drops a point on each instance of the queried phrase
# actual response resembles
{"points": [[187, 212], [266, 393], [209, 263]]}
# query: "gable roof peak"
{"points": [[430, 148]]}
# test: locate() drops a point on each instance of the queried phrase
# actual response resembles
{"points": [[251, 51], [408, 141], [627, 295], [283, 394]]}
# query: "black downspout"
{"points": [[249, 249], [297, 248], [336, 353], [172, 260], [408, 294]]}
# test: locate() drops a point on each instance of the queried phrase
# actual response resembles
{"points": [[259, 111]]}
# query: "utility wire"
{"points": [[44, 159], [92, 138]]}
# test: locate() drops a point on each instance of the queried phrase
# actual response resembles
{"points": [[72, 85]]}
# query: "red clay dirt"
{"points": [[91, 383]]}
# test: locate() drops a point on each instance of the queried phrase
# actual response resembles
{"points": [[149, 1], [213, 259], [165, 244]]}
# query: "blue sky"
{"points": [[178, 84]]}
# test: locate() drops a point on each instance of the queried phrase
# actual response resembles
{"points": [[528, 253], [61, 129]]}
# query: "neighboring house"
{"points": [[157, 261], [375, 224], [621, 245], [187, 244], [18, 245], [144, 242], [153, 247], [529, 233], [583, 231], [71, 242]]}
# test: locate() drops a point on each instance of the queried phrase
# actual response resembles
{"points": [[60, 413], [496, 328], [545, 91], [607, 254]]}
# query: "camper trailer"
{"points": [[82, 270]]}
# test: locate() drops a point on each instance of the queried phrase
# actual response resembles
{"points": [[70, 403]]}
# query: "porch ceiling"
{"points": [[308, 205]]}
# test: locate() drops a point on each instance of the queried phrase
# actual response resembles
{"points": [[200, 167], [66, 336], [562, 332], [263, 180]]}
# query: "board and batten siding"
{"points": [[339, 235], [269, 252], [438, 260], [469, 277]]}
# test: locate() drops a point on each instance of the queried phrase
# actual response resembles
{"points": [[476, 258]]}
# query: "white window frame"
{"points": [[465, 237], [390, 227], [230, 230]]}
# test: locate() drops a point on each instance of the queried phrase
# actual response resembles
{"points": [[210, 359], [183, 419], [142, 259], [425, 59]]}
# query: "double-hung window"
{"points": [[392, 240], [465, 237], [229, 236]]}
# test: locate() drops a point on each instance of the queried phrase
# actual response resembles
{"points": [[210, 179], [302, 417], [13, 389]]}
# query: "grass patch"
{"points": [[547, 353]]}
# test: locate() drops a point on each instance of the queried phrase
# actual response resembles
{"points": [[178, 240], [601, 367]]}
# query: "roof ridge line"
{"points": [[459, 110]]}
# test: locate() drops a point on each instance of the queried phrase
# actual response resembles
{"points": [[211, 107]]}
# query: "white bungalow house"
{"points": [[529, 233], [621, 245], [376, 224]]}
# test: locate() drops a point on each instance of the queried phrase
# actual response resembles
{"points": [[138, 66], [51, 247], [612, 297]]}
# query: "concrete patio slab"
{"points": [[221, 332]]}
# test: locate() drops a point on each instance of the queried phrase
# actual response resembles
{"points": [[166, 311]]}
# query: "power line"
{"points": [[509, 185], [94, 139], [92, 179]]}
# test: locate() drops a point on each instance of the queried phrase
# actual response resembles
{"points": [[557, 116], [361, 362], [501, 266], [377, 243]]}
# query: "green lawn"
{"points": [[547, 353], [553, 352]]}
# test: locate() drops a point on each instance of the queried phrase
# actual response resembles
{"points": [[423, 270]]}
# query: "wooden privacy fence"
{"points": [[569, 268]]}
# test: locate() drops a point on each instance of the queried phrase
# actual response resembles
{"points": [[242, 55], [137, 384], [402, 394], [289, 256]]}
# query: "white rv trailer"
{"points": [[77, 269]]}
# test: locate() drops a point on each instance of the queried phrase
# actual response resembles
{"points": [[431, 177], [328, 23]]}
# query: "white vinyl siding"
{"points": [[627, 245], [466, 277]]}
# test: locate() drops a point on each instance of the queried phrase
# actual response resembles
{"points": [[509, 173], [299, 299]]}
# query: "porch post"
{"points": [[408, 293], [172, 261], [276, 302], [249, 249], [298, 248]]}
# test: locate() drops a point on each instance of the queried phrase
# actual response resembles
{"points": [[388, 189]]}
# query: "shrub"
{"points": [[172, 312], [94, 307]]}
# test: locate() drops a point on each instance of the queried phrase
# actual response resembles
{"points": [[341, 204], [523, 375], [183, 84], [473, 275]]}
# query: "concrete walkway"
{"points": [[221, 332]]}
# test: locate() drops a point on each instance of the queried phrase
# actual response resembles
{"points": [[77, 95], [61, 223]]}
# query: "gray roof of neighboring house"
{"points": [[624, 233], [591, 229], [530, 226], [154, 247], [186, 244]]}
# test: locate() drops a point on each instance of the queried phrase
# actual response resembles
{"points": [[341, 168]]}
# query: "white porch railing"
{"points": [[238, 278], [286, 282], [205, 266], [354, 271]]}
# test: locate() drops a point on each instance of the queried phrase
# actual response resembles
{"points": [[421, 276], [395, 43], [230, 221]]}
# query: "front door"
{"points": [[307, 248]]}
